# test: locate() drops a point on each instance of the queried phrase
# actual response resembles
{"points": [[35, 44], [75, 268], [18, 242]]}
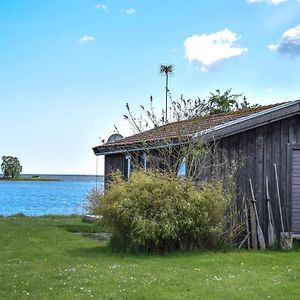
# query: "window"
{"points": [[128, 166], [181, 172], [144, 161]]}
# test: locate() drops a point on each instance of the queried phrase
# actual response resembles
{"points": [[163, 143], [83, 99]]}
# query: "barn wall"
{"points": [[114, 162], [256, 151], [295, 187]]}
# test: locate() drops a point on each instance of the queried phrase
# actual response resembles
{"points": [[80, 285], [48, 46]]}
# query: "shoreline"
{"points": [[30, 179]]}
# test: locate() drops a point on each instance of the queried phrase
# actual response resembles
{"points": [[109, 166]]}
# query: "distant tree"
{"points": [[11, 167]]}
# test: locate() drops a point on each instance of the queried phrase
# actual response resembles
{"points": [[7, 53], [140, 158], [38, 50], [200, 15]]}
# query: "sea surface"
{"points": [[35, 198]]}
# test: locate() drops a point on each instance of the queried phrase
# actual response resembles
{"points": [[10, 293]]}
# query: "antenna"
{"points": [[166, 69], [97, 173]]}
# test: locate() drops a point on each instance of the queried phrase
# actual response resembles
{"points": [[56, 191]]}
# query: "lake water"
{"points": [[35, 198]]}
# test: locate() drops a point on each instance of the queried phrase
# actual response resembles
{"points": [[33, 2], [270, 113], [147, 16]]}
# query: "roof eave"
{"points": [[137, 147]]}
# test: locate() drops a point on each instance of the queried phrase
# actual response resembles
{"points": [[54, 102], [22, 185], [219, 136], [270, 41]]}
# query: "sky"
{"points": [[68, 67]]}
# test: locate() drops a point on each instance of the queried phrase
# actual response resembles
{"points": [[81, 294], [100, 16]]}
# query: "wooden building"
{"points": [[258, 137]]}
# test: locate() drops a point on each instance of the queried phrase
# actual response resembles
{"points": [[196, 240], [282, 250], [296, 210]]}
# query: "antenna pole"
{"points": [[97, 173], [167, 90], [166, 69]]}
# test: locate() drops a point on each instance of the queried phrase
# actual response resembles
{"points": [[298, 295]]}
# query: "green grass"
{"points": [[46, 258]]}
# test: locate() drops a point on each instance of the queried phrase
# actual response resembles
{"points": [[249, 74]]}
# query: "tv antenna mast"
{"points": [[166, 69]]}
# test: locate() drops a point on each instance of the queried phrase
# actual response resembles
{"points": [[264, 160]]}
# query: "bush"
{"points": [[94, 201], [155, 212]]}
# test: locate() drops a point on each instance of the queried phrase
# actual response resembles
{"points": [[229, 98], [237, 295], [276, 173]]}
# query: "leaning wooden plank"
{"points": [[271, 231], [247, 223], [253, 226], [278, 197], [273, 222], [260, 235], [244, 240]]}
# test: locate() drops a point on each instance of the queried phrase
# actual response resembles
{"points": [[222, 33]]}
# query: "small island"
{"points": [[12, 169]]}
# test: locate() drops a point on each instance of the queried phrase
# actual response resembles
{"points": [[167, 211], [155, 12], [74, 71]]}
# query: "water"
{"points": [[34, 198]]}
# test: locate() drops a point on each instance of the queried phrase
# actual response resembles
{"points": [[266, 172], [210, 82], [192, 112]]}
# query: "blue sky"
{"points": [[69, 66]]}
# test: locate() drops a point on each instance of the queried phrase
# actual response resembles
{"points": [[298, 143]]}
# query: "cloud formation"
{"points": [[86, 39], [275, 2], [209, 50], [130, 11], [101, 6], [289, 43]]}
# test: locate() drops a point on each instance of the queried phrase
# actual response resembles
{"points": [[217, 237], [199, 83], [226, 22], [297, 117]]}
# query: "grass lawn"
{"points": [[43, 258]]}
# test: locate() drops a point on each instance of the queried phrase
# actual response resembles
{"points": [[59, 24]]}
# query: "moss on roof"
{"points": [[183, 129]]}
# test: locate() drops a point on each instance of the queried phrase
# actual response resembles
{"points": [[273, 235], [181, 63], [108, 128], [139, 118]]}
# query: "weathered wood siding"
{"points": [[114, 162], [257, 151], [295, 190]]}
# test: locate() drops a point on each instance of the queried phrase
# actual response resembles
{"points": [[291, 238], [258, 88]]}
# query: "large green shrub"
{"points": [[155, 212]]}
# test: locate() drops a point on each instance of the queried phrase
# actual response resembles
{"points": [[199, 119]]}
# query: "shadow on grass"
{"points": [[104, 252], [91, 252], [80, 228], [296, 245]]}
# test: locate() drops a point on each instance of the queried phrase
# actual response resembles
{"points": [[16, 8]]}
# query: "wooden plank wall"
{"points": [[295, 192], [256, 151], [114, 162]]}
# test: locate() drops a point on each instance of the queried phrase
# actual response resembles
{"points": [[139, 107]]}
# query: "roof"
{"points": [[214, 126]]}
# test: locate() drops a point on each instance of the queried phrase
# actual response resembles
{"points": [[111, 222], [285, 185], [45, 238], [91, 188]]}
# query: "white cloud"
{"points": [[101, 6], [275, 2], [86, 39], [269, 89], [273, 47], [208, 50], [130, 11], [289, 43]]}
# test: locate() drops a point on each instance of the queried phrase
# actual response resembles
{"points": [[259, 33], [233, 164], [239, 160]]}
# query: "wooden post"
{"points": [[271, 231], [253, 227], [260, 235]]}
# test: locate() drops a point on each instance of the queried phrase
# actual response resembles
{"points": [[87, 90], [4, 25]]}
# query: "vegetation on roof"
{"points": [[186, 117], [186, 128]]}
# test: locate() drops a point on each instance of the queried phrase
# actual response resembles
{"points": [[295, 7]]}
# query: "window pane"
{"points": [[182, 168]]}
